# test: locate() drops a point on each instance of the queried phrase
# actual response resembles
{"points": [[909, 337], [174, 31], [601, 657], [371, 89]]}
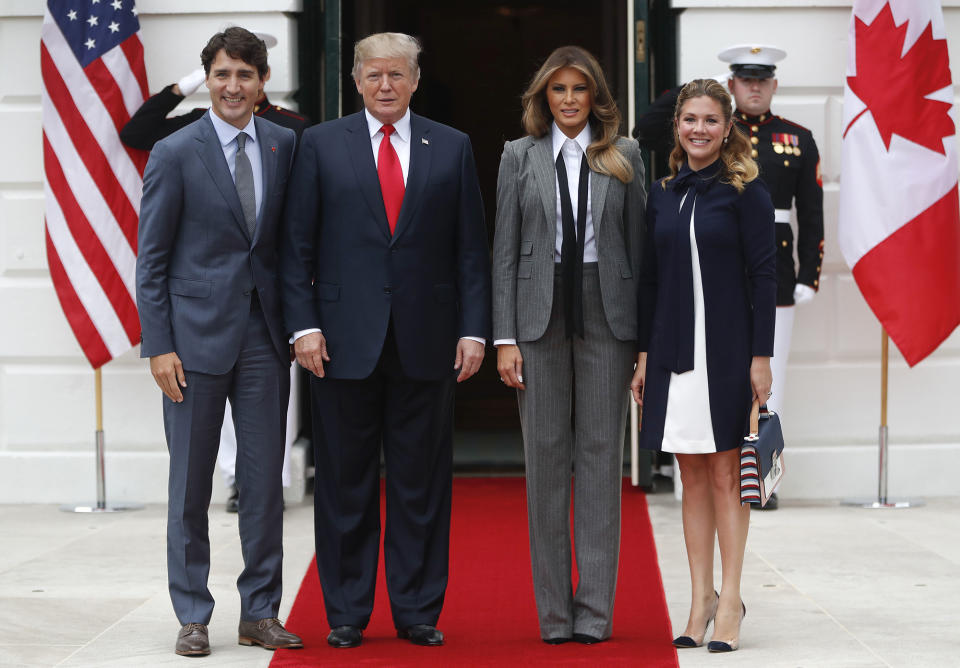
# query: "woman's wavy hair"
{"points": [[602, 154], [739, 168]]}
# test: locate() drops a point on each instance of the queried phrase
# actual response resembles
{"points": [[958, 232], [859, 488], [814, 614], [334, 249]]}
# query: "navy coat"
{"points": [[736, 243], [343, 272]]}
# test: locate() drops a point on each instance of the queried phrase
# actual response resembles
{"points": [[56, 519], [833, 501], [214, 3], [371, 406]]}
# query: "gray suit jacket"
{"points": [[196, 263], [526, 232]]}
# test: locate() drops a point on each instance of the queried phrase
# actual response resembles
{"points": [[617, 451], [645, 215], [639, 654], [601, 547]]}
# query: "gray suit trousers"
{"points": [[586, 380], [258, 386]]}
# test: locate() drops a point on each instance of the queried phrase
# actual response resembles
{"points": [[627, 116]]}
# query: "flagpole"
{"points": [[882, 500], [101, 504]]}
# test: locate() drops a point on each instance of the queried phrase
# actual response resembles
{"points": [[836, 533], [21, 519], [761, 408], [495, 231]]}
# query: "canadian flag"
{"points": [[899, 226]]}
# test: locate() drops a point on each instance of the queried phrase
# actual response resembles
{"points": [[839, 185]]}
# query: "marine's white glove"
{"points": [[803, 294], [189, 84]]}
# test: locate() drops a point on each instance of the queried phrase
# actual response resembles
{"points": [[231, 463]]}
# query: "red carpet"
{"points": [[489, 617]]}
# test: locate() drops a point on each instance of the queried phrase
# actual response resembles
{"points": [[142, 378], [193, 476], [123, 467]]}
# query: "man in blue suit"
{"points": [[209, 303], [386, 290]]}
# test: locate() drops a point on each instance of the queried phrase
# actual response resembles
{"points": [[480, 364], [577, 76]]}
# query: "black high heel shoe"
{"points": [[720, 646], [686, 642]]}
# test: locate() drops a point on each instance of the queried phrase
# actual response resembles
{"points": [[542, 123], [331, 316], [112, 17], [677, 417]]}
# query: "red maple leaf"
{"points": [[894, 87]]}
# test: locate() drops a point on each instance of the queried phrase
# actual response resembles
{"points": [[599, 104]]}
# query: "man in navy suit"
{"points": [[209, 303], [386, 290]]}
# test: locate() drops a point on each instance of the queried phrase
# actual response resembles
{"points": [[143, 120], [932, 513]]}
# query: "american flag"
{"points": [[94, 79]]}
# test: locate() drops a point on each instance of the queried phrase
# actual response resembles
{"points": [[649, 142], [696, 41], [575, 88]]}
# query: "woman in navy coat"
{"points": [[706, 316]]}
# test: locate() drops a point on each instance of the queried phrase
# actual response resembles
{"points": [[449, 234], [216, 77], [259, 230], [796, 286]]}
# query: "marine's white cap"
{"points": [[756, 61]]}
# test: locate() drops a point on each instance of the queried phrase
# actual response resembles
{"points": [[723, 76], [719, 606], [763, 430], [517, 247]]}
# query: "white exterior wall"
{"points": [[831, 413], [832, 406], [47, 420]]}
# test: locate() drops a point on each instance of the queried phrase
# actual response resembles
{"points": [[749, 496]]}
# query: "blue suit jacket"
{"points": [[343, 272], [196, 262]]}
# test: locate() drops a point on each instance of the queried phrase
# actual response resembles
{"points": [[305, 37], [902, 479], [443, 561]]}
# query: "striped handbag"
{"points": [[761, 456]]}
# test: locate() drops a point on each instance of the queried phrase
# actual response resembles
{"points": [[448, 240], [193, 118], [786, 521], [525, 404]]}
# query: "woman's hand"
{"points": [[510, 366], [639, 378], [761, 378]]}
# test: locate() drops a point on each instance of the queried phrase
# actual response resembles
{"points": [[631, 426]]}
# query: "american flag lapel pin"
{"points": [[423, 140]]}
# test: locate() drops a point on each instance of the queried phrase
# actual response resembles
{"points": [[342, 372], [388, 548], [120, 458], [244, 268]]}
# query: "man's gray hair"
{"points": [[387, 45]]}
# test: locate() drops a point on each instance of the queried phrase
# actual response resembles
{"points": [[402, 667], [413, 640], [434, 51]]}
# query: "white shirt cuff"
{"points": [[479, 340], [504, 342], [302, 332]]}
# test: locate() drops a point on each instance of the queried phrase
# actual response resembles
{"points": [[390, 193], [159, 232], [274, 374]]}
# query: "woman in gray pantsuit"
{"points": [[567, 249]]}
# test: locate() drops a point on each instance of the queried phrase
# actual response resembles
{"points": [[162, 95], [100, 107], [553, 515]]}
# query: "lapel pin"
{"points": [[424, 141], [273, 148]]}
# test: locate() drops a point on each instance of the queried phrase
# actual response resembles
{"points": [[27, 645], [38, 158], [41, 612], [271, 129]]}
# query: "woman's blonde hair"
{"points": [[739, 168], [602, 154]]}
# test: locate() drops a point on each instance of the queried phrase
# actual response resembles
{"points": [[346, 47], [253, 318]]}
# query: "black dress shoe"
{"points": [[233, 500], [586, 639], [556, 641], [422, 634], [342, 637], [772, 503]]}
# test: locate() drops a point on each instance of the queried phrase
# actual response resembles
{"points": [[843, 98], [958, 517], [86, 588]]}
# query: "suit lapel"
{"points": [[417, 173], [545, 170], [361, 157], [599, 184], [211, 154], [268, 164]]}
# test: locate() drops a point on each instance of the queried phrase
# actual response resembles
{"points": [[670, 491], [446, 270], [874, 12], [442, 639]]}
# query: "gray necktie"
{"points": [[243, 175]]}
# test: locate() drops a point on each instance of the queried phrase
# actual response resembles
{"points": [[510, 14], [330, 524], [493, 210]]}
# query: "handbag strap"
{"points": [[755, 418]]}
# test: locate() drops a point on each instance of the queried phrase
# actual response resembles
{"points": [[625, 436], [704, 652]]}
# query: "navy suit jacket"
{"points": [[343, 272], [196, 262]]}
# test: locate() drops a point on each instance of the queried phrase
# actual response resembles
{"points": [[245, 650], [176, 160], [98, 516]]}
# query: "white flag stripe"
{"points": [[83, 281], [869, 168], [88, 196], [897, 184], [95, 114], [116, 61]]}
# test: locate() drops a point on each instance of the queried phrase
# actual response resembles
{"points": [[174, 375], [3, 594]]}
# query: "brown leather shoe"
{"points": [[193, 640], [269, 634]]}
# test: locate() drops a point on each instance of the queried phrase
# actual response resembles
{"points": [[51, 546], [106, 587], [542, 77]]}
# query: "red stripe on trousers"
{"points": [[911, 279]]}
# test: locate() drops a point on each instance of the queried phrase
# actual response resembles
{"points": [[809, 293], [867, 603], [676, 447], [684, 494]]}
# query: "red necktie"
{"points": [[391, 177]]}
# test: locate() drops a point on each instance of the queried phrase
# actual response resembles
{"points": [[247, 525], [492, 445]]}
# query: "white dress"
{"points": [[688, 428]]}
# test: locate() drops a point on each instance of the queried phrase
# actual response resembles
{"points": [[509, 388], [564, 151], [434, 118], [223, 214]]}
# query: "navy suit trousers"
{"points": [[258, 386], [413, 420]]}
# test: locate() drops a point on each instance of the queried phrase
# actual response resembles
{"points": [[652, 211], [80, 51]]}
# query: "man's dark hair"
{"points": [[238, 43]]}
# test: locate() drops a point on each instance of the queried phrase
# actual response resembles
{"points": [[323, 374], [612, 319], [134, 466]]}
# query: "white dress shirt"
{"points": [[400, 140], [573, 150], [227, 134]]}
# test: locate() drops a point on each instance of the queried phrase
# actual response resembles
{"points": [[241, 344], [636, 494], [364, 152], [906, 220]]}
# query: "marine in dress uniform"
{"points": [[790, 165]]}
